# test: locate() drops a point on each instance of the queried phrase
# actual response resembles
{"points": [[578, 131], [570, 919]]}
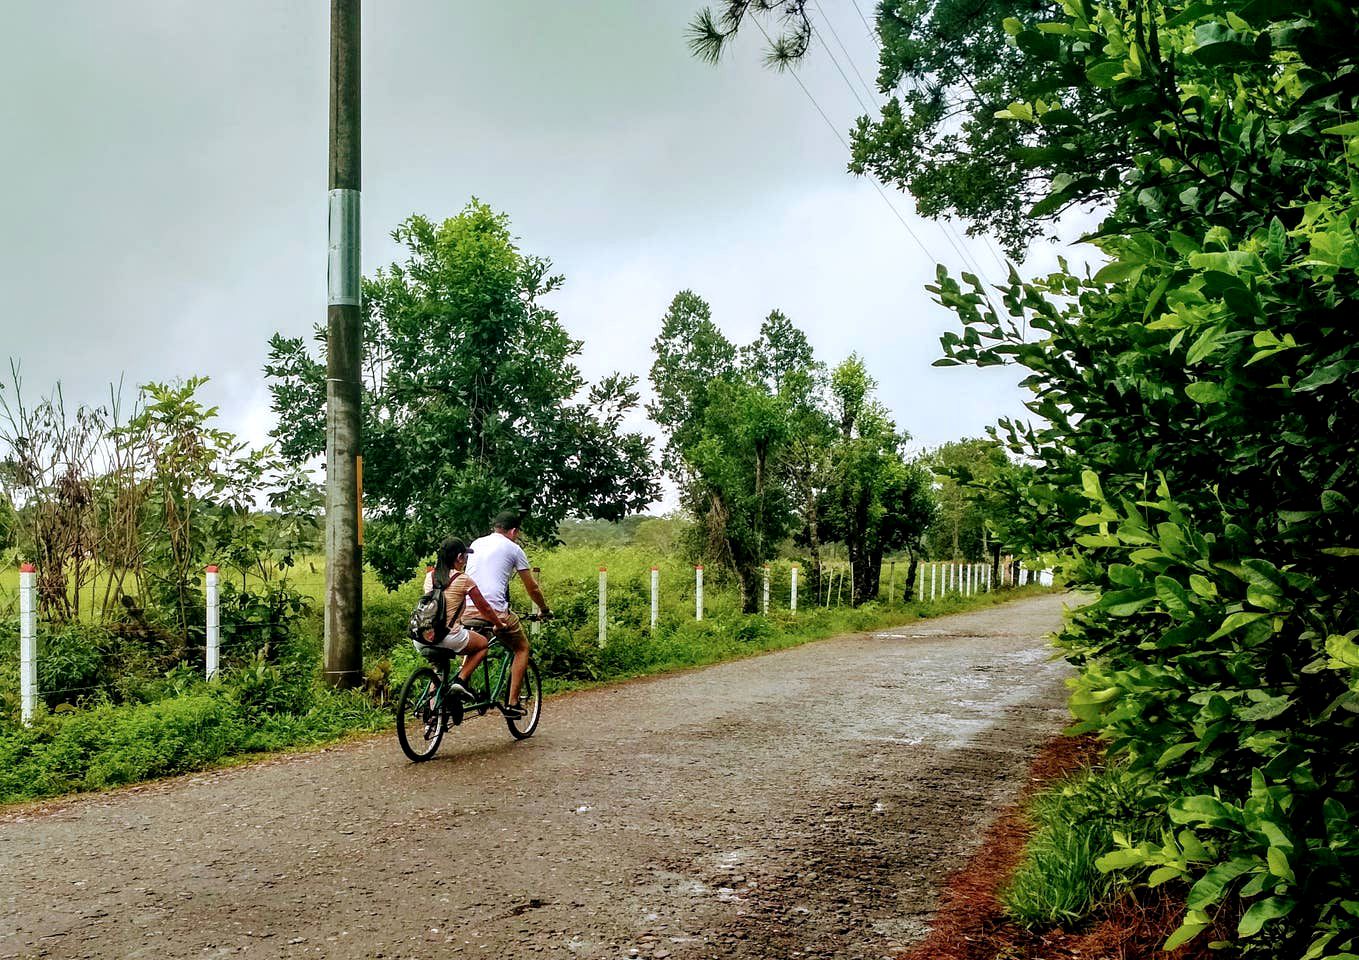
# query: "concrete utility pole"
{"points": [[344, 347]]}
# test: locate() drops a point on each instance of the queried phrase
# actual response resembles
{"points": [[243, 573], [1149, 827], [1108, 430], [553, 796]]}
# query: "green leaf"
{"points": [[1201, 809], [1163, 874], [1090, 485], [1174, 597], [1102, 74], [1174, 753], [1265, 710], [1343, 651], [1235, 622], [1195, 922], [1350, 129], [1120, 860], [1212, 886], [1263, 911], [1124, 603], [1278, 863], [1205, 391]]}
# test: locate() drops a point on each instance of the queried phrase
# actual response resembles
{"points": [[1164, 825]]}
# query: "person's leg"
{"points": [[473, 654], [517, 642]]}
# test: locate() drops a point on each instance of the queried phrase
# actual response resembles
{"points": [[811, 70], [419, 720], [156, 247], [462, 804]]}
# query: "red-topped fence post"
{"points": [[28, 642]]}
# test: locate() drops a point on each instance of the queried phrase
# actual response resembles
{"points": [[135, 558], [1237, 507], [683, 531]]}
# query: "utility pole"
{"points": [[344, 347]]}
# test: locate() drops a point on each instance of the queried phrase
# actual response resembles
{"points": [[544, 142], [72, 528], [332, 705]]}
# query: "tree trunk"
{"points": [[751, 582], [911, 571]]}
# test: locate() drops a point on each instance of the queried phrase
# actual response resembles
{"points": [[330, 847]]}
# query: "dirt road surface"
{"points": [[804, 804]]}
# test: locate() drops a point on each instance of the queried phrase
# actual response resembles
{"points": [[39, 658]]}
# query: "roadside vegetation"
{"points": [[1194, 416]]}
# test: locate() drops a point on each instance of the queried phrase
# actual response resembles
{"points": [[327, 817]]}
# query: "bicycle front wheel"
{"points": [[419, 725], [531, 699]]}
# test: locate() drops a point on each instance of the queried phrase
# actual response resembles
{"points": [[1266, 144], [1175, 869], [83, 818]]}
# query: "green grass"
{"points": [[1057, 881]]}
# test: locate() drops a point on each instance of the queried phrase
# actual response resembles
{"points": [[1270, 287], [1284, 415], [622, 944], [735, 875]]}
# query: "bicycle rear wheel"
{"points": [[531, 699], [419, 724]]}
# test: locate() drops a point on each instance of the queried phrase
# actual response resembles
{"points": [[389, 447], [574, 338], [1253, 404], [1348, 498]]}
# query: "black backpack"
{"points": [[429, 619]]}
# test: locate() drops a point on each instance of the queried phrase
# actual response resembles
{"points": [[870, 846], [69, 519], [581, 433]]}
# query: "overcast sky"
{"points": [[164, 202]]}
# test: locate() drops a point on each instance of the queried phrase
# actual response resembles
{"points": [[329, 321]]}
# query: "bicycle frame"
{"points": [[492, 691]]}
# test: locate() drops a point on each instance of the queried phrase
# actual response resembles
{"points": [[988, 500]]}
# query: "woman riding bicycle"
{"points": [[448, 574]]}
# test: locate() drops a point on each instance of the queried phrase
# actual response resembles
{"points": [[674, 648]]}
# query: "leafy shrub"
{"points": [[71, 664], [1197, 401], [265, 689]]}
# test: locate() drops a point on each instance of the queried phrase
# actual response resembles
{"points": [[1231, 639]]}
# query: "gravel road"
{"points": [[803, 804]]}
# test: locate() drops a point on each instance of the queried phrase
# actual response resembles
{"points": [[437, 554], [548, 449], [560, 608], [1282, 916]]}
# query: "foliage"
{"points": [[1198, 401], [470, 398]]}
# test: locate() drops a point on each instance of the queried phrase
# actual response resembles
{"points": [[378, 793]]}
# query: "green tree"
{"points": [[471, 398], [875, 502], [945, 69], [729, 432]]}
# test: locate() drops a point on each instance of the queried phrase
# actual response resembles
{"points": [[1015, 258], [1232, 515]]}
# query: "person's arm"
{"points": [[535, 594], [485, 609]]}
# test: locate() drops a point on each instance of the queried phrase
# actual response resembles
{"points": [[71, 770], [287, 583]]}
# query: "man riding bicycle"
{"points": [[494, 559]]}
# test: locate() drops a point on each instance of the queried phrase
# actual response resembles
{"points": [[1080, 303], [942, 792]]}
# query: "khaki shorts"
{"points": [[514, 628]]}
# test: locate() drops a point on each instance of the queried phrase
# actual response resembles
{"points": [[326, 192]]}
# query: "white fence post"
{"points": [[933, 572], [698, 592], [655, 595], [603, 605], [214, 625], [892, 587], [792, 593], [765, 599], [28, 642]]}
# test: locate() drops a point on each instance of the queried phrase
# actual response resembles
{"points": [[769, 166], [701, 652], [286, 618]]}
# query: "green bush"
{"points": [[1196, 423]]}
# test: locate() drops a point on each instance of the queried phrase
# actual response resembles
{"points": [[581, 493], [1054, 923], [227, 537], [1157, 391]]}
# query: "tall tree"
{"points": [[472, 400], [729, 432], [875, 501]]}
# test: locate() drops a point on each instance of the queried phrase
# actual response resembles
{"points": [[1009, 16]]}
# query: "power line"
{"points": [[876, 185], [872, 34], [864, 83]]}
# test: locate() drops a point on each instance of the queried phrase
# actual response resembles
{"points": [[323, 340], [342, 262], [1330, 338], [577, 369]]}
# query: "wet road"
{"points": [[802, 804]]}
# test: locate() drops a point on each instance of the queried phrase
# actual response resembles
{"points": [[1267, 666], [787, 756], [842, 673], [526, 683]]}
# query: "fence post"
{"points": [[765, 598], [892, 583], [920, 585], [698, 592], [933, 571], [537, 625], [792, 594], [603, 605], [655, 595], [214, 625], [28, 641]]}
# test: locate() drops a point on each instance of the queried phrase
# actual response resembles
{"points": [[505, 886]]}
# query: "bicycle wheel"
{"points": [[419, 726], [531, 699]]}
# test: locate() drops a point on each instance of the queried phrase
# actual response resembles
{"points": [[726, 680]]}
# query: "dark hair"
{"points": [[447, 556], [507, 520]]}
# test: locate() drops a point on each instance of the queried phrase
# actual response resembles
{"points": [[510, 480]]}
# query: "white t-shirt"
{"points": [[495, 558]]}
